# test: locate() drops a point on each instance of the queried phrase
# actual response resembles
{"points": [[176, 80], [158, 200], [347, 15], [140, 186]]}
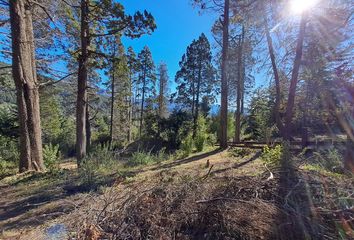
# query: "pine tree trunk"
{"points": [[25, 78], [239, 91], [112, 104], [130, 109], [88, 129], [161, 94], [81, 102], [294, 80], [243, 89], [224, 87], [193, 94], [196, 115], [142, 103], [276, 79]]}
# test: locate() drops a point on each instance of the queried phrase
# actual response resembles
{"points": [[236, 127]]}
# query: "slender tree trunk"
{"points": [[130, 113], [112, 102], [239, 90], [276, 78], [88, 129], [243, 89], [304, 130], [294, 79], [224, 87], [25, 78], [193, 94], [196, 115], [81, 102], [161, 94], [142, 102]]}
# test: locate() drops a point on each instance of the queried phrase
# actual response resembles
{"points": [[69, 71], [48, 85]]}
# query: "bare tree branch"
{"points": [[44, 9], [71, 5], [51, 82]]}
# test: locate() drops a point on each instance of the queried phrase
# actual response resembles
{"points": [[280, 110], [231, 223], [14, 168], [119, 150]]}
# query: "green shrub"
{"points": [[211, 139], [141, 158], [7, 168], [239, 152], [187, 145], [330, 159], [201, 134], [161, 156], [272, 156], [98, 162], [102, 156], [199, 142], [51, 157], [9, 149], [87, 173]]}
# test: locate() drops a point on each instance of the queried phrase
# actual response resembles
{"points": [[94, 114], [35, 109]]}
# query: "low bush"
{"points": [[87, 173], [187, 145], [145, 158], [161, 156], [272, 156], [199, 142], [201, 134], [7, 168], [102, 156], [330, 159], [100, 161], [141, 158], [239, 152], [51, 156]]}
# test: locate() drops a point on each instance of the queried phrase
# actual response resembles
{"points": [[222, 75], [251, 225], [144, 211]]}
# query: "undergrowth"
{"points": [[272, 156]]}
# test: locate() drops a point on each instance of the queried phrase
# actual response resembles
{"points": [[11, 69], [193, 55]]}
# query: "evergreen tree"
{"points": [[196, 77], [98, 21], [163, 90], [133, 84], [146, 82]]}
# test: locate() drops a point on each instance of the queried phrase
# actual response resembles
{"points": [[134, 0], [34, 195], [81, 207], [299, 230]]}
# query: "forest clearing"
{"points": [[176, 119], [219, 194]]}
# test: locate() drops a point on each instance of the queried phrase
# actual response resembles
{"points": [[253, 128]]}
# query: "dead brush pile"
{"points": [[218, 207], [215, 208]]}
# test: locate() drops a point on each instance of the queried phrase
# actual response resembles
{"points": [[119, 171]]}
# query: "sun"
{"points": [[300, 6]]}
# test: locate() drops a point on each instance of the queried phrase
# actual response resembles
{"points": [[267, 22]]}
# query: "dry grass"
{"points": [[207, 196]]}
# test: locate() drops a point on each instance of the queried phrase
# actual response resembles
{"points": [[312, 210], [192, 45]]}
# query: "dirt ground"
{"points": [[208, 196]]}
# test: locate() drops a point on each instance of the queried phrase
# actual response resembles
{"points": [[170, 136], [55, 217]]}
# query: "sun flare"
{"points": [[300, 6]]}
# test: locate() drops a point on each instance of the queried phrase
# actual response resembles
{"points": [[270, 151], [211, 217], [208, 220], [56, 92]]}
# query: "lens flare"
{"points": [[300, 6]]}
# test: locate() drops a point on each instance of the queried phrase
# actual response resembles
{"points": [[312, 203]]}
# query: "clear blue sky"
{"points": [[178, 23]]}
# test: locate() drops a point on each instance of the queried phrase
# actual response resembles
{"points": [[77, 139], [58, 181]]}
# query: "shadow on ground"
{"points": [[297, 219], [24, 207], [187, 160]]}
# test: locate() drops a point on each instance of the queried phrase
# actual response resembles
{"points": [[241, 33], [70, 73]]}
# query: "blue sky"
{"points": [[178, 23]]}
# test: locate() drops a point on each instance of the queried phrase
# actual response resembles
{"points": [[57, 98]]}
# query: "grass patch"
{"points": [[320, 169], [239, 152]]}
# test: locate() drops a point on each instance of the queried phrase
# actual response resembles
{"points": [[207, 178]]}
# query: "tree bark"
{"points": [[239, 90], [81, 102], [224, 87], [294, 79], [88, 129], [142, 102], [25, 78], [276, 79], [243, 88], [130, 109], [193, 94], [112, 100], [196, 115]]}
